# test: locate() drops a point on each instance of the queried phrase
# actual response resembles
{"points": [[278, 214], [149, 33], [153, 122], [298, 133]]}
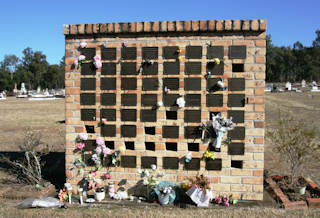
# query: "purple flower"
{"points": [[83, 136], [94, 157], [226, 203], [98, 150], [106, 151], [100, 141], [218, 200], [97, 58], [98, 64]]}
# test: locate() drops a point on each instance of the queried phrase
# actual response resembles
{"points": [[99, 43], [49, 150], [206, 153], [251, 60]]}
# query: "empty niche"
{"points": [[193, 164], [89, 129], [237, 164], [171, 115], [109, 144], [194, 52], [146, 162], [237, 68], [88, 114], [150, 130], [237, 52], [171, 146], [150, 146], [214, 164], [128, 161], [129, 145], [170, 163], [128, 53], [193, 146]]}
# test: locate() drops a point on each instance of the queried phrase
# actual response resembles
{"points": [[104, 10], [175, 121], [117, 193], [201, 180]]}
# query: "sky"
{"points": [[38, 23]]}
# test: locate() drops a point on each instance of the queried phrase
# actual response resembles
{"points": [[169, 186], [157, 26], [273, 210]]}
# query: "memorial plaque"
{"points": [[194, 52], [237, 116], [150, 84], [192, 132], [193, 146], [215, 52], [236, 148], [236, 100], [193, 164], [236, 84], [108, 130], [192, 68], [215, 69], [128, 131], [192, 84], [128, 161], [88, 69], [146, 162], [149, 99], [171, 83], [128, 115], [109, 114], [108, 69], [171, 68], [169, 100], [170, 163], [148, 116], [214, 100], [150, 69], [171, 146], [88, 114], [128, 53], [90, 145], [237, 52], [108, 99], [170, 52], [108, 53], [214, 164], [88, 52], [149, 53], [88, 84], [238, 133], [212, 84], [87, 99], [192, 116], [170, 131], [129, 68], [108, 84], [128, 99], [128, 83], [193, 100]]}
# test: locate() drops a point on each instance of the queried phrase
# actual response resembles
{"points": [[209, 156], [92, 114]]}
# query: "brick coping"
{"points": [[194, 26]]}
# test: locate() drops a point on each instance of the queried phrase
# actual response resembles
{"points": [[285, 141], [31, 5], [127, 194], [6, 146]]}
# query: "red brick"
{"points": [[261, 43], [255, 25], [88, 28], [187, 25], [147, 26], [179, 26], [73, 29], [163, 26], [297, 205], [117, 28], [237, 25], [245, 25], [110, 28], [155, 26], [258, 173], [95, 28], [103, 27], [227, 25], [259, 91], [255, 181], [258, 141], [203, 25], [260, 59], [124, 27], [66, 29], [171, 26], [212, 25], [219, 25], [263, 25], [81, 28], [72, 91], [214, 180], [258, 124], [313, 202], [139, 27], [80, 129], [195, 25]]}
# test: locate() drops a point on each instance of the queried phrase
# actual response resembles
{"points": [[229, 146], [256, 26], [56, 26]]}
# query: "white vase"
{"points": [[99, 196], [163, 198]]}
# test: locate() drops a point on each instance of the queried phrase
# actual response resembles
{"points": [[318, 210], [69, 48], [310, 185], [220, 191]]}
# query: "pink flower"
{"points": [[97, 58], [75, 63], [81, 146], [226, 203], [83, 44], [103, 121], [94, 174], [124, 44], [82, 58], [106, 151], [218, 200], [98, 150], [98, 64], [106, 176], [100, 141], [83, 136]]}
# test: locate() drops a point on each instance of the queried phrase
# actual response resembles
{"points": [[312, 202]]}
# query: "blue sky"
{"points": [[38, 23]]}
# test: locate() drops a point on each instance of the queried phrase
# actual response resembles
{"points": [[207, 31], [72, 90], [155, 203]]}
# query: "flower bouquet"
{"points": [[221, 125], [200, 192]]}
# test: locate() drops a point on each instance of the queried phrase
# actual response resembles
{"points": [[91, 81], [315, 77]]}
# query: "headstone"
{"points": [[303, 83], [288, 86]]}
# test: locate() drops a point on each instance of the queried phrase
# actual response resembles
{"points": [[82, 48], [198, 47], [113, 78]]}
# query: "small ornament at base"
{"points": [[99, 194]]}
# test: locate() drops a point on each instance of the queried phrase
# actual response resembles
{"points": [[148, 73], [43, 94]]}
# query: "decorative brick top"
{"points": [[167, 26]]}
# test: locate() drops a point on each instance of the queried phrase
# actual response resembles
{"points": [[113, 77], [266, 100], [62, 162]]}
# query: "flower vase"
{"points": [[99, 196], [203, 132], [218, 140], [163, 199]]}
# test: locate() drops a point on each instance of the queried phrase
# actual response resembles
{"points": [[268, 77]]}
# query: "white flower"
{"points": [[189, 155], [81, 58], [220, 84], [146, 172], [145, 182], [153, 167], [160, 103], [139, 171], [181, 102], [83, 44]]}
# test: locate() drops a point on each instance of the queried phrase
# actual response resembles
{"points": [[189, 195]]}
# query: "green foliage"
{"points": [[296, 142]]}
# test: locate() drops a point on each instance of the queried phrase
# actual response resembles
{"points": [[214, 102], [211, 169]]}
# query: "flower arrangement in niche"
{"points": [[221, 125], [180, 101], [83, 44], [208, 155], [115, 158], [80, 145], [100, 153], [97, 61], [81, 59], [63, 195], [188, 157], [216, 61]]}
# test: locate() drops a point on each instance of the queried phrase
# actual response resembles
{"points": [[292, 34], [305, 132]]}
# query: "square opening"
{"points": [[237, 67], [150, 146], [237, 164], [90, 129], [129, 145], [213, 114], [193, 146], [110, 144], [172, 115], [171, 146], [150, 130]]}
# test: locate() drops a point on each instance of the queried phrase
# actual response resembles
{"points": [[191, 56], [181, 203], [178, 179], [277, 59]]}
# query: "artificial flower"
{"points": [[63, 196], [98, 64], [106, 176], [181, 102], [125, 44], [83, 44], [208, 155], [83, 136], [97, 58], [146, 172], [160, 103], [153, 167], [94, 157], [179, 58], [103, 121], [100, 141], [188, 157], [81, 145], [81, 58], [75, 63], [216, 61], [106, 150], [179, 50], [98, 150]]}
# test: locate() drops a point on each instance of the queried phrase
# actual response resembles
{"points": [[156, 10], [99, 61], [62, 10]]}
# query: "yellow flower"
{"points": [[179, 58], [122, 149], [208, 154], [179, 50], [216, 61]]}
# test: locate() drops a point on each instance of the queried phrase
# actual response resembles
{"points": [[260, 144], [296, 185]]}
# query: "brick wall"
{"points": [[127, 98]]}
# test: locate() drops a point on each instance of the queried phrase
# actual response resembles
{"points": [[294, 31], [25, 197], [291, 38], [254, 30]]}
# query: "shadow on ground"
{"points": [[53, 169]]}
